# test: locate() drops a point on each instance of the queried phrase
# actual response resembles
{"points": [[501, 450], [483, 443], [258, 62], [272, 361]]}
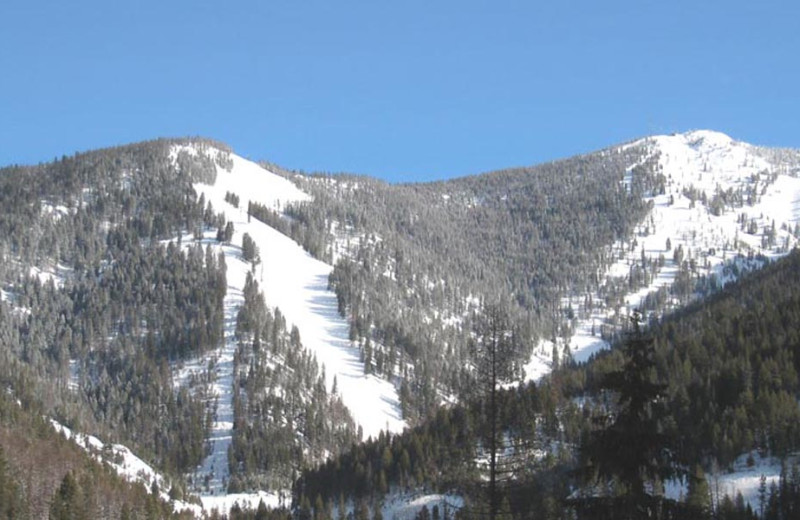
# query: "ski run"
{"points": [[297, 284]]}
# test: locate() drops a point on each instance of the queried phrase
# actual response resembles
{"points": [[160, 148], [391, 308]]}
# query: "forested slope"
{"points": [[728, 367], [96, 304], [732, 364], [43, 475], [413, 262], [112, 283]]}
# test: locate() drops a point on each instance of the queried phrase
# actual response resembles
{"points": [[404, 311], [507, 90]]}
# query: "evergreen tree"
{"points": [[698, 498], [67, 502], [12, 502], [250, 251], [494, 351], [629, 450]]}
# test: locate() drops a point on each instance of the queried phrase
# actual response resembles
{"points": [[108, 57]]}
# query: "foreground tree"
{"points": [[625, 460], [495, 351]]}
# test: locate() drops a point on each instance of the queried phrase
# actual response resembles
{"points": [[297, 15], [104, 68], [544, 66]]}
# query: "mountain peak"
{"points": [[699, 140], [696, 138]]}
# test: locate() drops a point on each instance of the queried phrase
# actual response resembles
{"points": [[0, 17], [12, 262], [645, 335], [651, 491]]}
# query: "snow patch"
{"points": [[57, 274], [125, 464], [406, 506], [224, 503]]}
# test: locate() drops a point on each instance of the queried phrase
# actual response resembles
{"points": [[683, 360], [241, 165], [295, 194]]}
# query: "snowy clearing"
{"points": [[406, 506], [744, 479]]}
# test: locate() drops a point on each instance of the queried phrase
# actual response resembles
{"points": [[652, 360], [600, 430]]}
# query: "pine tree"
{"points": [[494, 352], [261, 512], [66, 504], [629, 449], [12, 503], [698, 498]]}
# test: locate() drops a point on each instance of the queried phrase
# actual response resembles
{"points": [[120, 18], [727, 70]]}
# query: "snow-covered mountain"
{"points": [[296, 284], [725, 207], [715, 208]]}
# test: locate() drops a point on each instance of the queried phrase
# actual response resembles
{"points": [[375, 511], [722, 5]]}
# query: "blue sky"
{"points": [[400, 90]]}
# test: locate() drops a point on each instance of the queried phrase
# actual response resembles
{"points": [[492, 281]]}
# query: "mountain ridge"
{"points": [[394, 276]]}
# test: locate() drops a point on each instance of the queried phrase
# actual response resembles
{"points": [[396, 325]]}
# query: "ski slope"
{"points": [[297, 284], [705, 162], [211, 478]]}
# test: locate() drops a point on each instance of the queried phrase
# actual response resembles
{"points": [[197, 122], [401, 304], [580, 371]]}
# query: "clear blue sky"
{"points": [[411, 90]]}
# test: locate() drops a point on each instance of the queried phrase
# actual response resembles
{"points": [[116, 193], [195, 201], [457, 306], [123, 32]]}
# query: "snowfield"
{"points": [[297, 284]]}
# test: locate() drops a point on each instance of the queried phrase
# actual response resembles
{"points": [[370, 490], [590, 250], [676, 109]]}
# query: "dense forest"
{"points": [[109, 285], [735, 354], [285, 420], [43, 475], [412, 262], [102, 304]]}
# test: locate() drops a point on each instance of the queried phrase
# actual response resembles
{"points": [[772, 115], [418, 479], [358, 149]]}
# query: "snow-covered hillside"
{"points": [[726, 207], [297, 284], [126, 464]]}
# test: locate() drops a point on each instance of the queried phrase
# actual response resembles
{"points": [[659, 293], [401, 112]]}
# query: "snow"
{"points": [[125, 464], [705, 161], [74, 375], [405, 506], [57, 274], [55, 211], [223, 503], [297, 284], [211, 478], [248, 180], [746, 479], [743, 478], [213, 493]]}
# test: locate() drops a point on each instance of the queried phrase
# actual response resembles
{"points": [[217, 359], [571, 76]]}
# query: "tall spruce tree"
{"points": [[628, 455]]}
